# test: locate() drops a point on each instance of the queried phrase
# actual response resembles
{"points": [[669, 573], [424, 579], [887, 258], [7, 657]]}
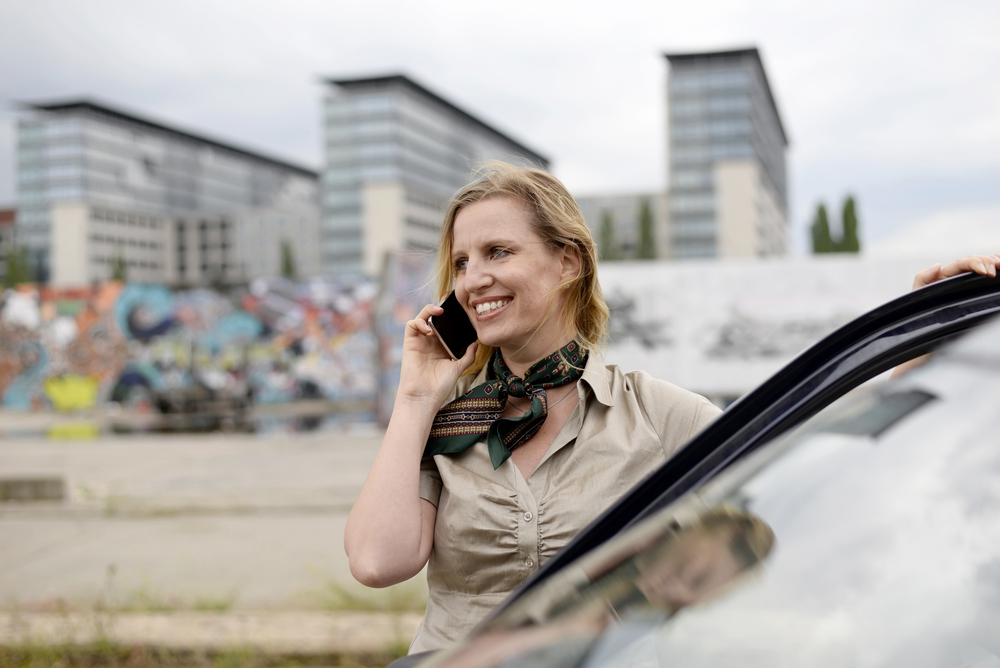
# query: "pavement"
{"points": [[189, 540]]}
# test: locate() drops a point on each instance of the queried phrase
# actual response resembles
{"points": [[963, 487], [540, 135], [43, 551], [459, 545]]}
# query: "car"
{"points": [[803, 526]]}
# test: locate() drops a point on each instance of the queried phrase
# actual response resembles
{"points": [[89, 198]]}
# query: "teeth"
{"points": [[486, 307]]}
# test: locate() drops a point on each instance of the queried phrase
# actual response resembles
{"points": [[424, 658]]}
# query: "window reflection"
{"points": [[660, 571]]}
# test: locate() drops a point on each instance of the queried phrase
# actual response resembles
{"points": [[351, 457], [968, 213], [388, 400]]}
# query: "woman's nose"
{"points": [[476, 278]]}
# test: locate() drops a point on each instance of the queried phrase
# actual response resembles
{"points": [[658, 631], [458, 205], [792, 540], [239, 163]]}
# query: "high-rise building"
{"points": [[7, 246], [395, 153], [97, 185], [727, 182]]}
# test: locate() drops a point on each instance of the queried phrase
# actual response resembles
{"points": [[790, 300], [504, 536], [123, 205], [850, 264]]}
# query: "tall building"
{"points": [[96, 184], [395, 153], [727, 181], [7, 246], [622, 213]]}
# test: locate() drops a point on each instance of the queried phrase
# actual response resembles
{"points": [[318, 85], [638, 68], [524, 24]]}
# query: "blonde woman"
{"points": [[492, 463]]}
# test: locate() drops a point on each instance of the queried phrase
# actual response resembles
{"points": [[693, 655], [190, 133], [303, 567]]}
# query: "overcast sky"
{"points": [[897, 102]]}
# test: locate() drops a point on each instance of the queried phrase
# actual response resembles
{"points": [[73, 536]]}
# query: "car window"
{"points": [[814, 550]]}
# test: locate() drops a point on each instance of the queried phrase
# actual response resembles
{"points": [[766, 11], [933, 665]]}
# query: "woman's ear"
{"points": [[570, 262]]}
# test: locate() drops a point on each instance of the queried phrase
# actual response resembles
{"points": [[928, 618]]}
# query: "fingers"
{"points": [[420, 324], [984, 265]]}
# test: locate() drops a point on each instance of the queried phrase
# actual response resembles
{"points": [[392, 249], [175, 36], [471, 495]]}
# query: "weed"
{"points": [[404, 597]]}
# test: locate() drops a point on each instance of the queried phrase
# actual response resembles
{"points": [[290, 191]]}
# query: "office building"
{"points": [[727, 180], [7, 243], [622, 212], [394, 154], [96, 183]]}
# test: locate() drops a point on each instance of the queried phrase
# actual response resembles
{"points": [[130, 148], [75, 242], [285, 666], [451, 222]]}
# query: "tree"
{"points": [[647, 234], [18, 267], [608, 245], [822, 242], [849, 243], [119, 269], [287, 260]]}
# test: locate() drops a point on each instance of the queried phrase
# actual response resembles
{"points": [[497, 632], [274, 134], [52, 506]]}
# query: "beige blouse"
{"points": [[494, 528]]}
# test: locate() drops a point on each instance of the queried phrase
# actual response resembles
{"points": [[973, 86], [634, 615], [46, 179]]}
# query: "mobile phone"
{"points": [[453, 327]]}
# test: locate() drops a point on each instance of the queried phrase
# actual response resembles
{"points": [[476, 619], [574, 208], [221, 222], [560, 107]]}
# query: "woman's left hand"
{"points": [[986, 265]]}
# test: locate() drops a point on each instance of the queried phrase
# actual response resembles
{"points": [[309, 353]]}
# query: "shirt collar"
{"points": [[595, 376], [598, 379]]}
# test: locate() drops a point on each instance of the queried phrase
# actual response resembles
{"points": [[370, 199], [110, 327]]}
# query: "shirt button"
{"points": [[529, 563], [527, 517]]}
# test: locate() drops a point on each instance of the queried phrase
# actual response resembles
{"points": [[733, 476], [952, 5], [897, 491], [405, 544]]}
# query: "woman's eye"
{"points": [[499, 253], [460, 264]]}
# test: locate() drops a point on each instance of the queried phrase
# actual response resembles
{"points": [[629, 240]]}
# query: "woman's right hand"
{"points": [[428, 373]]}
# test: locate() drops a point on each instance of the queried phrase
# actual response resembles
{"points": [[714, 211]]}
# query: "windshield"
{"points": [[866, 537]]}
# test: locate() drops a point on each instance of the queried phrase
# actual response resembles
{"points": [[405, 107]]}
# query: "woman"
{"points": [[491, 463]]}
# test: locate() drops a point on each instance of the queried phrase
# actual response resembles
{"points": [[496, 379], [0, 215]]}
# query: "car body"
{"points": [[800, 527]]}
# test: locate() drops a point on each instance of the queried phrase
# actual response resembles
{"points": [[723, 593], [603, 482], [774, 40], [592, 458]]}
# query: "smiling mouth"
{"points": [[489, 308]]}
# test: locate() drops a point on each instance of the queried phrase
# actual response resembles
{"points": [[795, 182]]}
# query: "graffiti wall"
{"points": [[722, 327], [276, 342]]}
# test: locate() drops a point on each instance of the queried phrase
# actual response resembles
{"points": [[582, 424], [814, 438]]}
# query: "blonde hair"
{"points": [[557, 219]]}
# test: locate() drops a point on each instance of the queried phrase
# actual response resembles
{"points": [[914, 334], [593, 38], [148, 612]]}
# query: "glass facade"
{"points": [[85, 152], [720, 108], [392, 130]]}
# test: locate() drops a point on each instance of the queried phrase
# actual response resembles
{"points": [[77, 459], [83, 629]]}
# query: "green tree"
{"points": [[287, 260], [119, 269], [849, 242], [647, 233], [608, 244], [18, 267], [822, 242]]}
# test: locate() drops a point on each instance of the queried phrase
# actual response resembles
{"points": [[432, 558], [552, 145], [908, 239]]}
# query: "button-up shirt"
{"points": [[494, 528]]}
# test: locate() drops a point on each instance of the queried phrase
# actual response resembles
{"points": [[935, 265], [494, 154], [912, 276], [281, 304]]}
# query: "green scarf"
{"points": [[461, 423]]}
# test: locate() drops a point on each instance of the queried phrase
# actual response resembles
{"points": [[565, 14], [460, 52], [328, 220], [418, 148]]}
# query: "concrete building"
{"points": [[727, 145], [95, 182], [260, 234], [7, 242], [624, 212], [394, 154]]}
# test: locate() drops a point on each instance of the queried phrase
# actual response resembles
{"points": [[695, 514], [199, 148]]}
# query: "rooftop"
{"points": [[406, 82], [100, 109], [734, 55]]}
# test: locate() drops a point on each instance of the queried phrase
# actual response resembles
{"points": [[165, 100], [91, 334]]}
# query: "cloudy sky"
{"points": [[897, 102]]}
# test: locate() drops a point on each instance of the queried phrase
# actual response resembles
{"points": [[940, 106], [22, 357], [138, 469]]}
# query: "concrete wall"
{"points": [[721, 327], [382, 222], [70, 249]]}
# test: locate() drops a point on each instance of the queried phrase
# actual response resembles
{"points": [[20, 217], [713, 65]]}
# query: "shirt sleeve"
{"points": [[430, 481], [676, 414]]}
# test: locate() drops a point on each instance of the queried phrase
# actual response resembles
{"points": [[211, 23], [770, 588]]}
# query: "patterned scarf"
{"points": [[461, 423]]}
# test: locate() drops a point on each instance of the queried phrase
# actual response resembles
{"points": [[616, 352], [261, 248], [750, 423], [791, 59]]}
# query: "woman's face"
{"points": [[506, 275], [699, 563]]}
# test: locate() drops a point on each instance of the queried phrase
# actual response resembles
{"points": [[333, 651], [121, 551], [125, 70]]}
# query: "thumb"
{"points": [[468, 358], [927, 276]]}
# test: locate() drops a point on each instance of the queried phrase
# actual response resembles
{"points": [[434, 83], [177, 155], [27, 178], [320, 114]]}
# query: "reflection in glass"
{"points": [[646, 579]]}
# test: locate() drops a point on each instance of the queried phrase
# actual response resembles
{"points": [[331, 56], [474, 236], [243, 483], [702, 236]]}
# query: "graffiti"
{"points": [[625, 324], [747, 338], [134, 344], [407, 288]]}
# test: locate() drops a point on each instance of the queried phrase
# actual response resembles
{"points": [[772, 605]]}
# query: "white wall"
{"points": [[721, 327], [70, 260], [382, 213]]}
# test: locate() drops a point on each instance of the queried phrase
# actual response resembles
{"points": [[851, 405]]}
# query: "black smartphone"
{"points": [[453, 327]]}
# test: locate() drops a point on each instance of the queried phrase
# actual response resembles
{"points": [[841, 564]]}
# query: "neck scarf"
{"points": [[461, 423]]}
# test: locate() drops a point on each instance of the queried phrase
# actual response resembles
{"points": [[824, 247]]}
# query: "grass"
{"points": [[104, 654], [404, 597]]}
